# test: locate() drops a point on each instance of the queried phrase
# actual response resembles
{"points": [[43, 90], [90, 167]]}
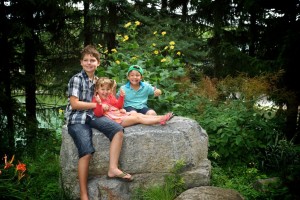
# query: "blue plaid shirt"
{"points": [[80, 87]]}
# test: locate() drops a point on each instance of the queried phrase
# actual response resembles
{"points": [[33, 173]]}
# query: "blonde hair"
{"points": [[102, 81]]}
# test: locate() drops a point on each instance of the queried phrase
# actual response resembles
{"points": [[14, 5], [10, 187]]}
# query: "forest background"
{"points": [[215, 60]]}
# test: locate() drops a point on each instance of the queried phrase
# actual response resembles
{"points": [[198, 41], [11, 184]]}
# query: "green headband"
{"points": [[136, 68]]}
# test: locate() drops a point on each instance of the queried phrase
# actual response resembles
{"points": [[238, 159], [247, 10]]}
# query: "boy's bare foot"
{"points": [[118, 174]]}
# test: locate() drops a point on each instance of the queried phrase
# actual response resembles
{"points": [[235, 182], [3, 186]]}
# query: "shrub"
{"points": [[172, 187]]}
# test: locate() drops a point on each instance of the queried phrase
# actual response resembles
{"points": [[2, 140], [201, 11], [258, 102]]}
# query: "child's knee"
{"points": [[151, 112], [133, 112]]}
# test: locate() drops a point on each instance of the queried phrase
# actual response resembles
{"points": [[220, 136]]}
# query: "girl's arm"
{"points": [[98, 110], [121, 99]]}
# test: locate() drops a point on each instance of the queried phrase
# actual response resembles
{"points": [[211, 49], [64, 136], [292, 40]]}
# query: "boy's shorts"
{"points": [[143, 110], [82, 133]]}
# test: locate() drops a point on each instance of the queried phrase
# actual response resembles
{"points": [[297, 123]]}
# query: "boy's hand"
{"points": [[157, 92], [122, 92]]}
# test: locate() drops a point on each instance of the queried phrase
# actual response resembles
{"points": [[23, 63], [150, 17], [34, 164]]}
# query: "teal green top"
{"points": [[137, 98]]}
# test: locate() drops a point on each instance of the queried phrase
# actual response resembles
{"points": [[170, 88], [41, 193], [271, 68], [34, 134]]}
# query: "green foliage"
{"points": [[242, 178], [160, 58], [44, 174], [13, 185], [282, 155], [41, 180], [237, 132], [172, 187]]}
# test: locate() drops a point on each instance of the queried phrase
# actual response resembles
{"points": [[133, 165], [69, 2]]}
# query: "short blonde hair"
{"points": [[102, 81]]}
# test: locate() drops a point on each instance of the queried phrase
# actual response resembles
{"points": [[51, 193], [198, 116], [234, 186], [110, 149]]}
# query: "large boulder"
{"points": [[210, 193], [148, 153]]}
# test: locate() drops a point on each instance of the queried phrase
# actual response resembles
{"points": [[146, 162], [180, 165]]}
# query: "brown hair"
{"points": [[90, 50], [102, 81]]}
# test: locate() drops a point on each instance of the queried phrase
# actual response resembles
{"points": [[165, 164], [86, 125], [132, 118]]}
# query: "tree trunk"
{"points": [[112, 25], [6, 99], [164, 7], [217, 38], [87, 24], [30, 83], [184, 11], [290, 57]]}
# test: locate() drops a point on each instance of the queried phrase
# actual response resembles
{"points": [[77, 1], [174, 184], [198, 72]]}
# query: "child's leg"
{"points": [[114, 154], [82, 137], [147, 111], [131, 110], [83, 171], [151, 112], [140, 119], [114, 132]]}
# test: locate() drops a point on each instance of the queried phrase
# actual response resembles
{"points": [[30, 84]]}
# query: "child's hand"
{"points": [[98, 99], [122, 110], [122, 92], [114, 85], [105, 107], [157, 92]]}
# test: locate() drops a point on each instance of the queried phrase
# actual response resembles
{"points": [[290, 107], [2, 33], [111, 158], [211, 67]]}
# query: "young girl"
{"points": [[111, 107]]}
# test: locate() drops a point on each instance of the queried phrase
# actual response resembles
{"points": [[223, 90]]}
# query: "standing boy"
{"points": [[137, 92], [81, 120]]}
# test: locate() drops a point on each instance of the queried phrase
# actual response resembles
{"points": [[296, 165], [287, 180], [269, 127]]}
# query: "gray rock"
{"points": [[209, 193], [148, 153]]}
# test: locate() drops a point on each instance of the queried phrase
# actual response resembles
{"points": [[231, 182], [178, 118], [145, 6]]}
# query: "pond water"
{"points": [[50, 110]]}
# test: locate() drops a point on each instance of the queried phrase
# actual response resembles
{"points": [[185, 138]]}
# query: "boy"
{"points": [[137, 92], [81, 120]]}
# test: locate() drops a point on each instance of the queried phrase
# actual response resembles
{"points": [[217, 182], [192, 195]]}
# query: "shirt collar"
{"points": [[84, 75]]}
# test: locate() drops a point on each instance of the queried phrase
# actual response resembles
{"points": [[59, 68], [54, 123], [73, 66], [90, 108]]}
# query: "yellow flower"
{"points": [[166, 47], [127, 25], [171, 47], [155, 32], [172, 43], [137, 23], [106, 51], [153, 44], [133, 58], [125, 38], [156, 52], [114, 50], [60, 111], [178, 53], [163, 60], [164, 33], [118, 62]]}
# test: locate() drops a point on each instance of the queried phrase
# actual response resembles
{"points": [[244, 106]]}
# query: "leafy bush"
{"points": [[242, 178], [173, 186], [159, 56]]}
